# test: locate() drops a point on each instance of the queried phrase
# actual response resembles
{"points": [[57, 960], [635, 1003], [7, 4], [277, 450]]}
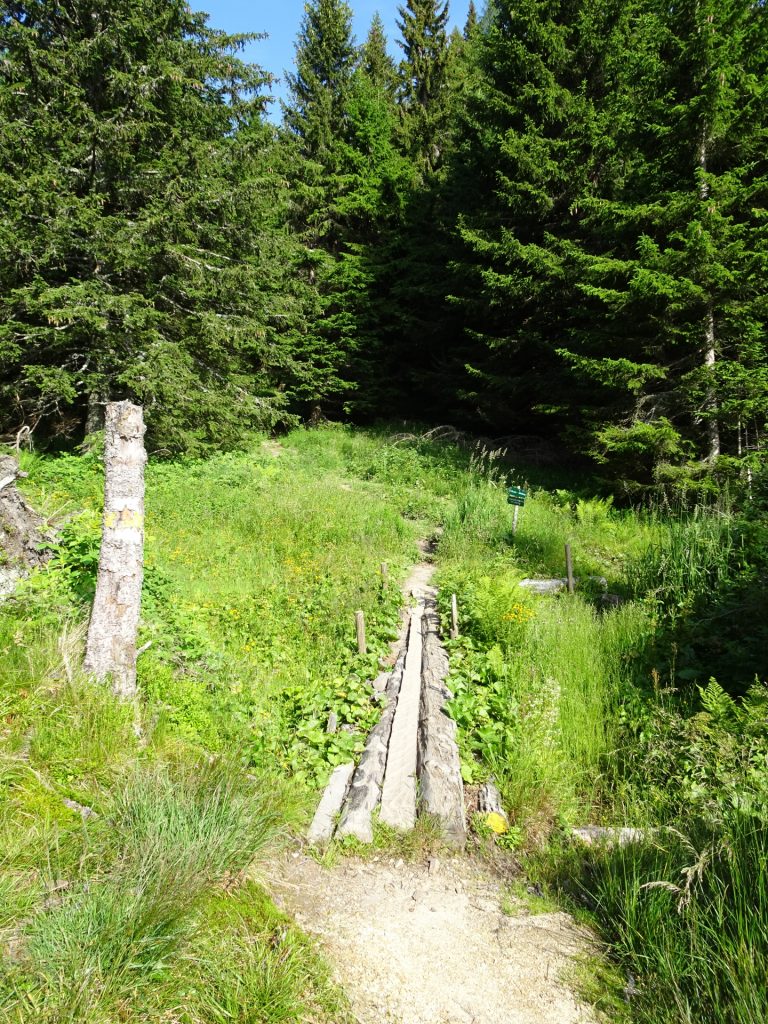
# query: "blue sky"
{"points": [[281, 20]]}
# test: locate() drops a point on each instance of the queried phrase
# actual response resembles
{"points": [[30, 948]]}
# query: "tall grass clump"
{"points": [[694, 555], [538, 684], [170, 833], [687, 914]]}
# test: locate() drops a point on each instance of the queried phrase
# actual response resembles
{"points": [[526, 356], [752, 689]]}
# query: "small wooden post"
{"points": [[384, 575], [514, 519], [333, 721], [454, 617], [360, 627], [569, 567]]}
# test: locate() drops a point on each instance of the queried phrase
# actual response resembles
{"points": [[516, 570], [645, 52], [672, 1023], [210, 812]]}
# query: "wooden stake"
{"points": [[454, 617], [569, 568], [384, 575], [111, 646], [360, 627]]}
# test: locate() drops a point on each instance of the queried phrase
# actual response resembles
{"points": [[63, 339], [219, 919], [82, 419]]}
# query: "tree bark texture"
{"points": [[710, 341], [111, 646], [365, 792]]}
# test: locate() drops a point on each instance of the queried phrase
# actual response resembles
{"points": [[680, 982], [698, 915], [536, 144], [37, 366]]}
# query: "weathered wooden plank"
{"points": [[321, 829], [365, 791], [398, 795]]}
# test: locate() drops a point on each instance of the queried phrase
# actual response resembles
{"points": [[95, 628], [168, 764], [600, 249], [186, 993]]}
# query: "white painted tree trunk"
{"points": [[711, 407], [111, 646], [710, 341]]}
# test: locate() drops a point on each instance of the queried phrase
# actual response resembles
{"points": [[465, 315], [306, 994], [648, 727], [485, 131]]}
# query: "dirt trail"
{"points": [[428, 943]]}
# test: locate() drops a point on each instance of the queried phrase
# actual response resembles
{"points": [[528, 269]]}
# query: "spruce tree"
{"points": [[375, 61], [471, 23], [319, 89], [531, 140], [316, 125], [675, 260], [126, 268], [424, 43]]}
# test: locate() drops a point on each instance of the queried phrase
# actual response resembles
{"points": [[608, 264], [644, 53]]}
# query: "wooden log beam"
{"points": [[321, 829], [398, 794], [441, 790], [365, 791]]}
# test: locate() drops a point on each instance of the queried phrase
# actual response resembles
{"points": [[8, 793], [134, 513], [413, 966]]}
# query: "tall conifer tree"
{"points": [[677, 258], [319, 89], [424, 43], [375, 60], [531, 141], [317, 121], [129, 243]]}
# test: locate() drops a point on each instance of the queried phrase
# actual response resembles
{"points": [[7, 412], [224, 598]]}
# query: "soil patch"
{"points": [[429, 943]]}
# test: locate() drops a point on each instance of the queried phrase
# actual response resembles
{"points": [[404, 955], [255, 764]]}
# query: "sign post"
{"points": [[516, 496]]}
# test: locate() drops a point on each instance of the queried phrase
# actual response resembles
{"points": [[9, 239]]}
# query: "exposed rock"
{"points": [[23, 536]]}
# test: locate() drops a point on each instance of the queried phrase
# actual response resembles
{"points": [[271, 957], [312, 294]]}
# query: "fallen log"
{"points": [[558, 583], [606, 835]]}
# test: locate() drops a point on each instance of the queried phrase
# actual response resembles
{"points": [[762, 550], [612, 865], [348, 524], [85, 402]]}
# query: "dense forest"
{"points": [[552, 223]]}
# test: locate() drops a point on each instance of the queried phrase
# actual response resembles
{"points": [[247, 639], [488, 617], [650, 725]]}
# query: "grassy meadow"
{"points": [[128, 833]]}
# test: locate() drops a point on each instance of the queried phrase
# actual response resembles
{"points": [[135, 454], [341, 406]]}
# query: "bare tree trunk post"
{"points": [[111, 646], [360, 630], [454, 617], [710, 341], [569, 568], [710, 405]]}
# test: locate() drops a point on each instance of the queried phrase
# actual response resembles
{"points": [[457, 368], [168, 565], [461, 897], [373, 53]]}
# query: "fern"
{"points": [[718, 703]]}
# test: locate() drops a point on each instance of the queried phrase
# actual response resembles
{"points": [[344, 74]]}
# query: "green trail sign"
{"points": [[516, 496]]}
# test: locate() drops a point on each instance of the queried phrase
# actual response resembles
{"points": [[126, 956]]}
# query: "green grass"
{"points": [[686, 914], [111, 915], [582, 714], [256, 563]]}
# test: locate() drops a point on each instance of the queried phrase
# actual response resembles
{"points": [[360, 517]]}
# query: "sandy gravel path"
{"points": [[429, 944]]}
